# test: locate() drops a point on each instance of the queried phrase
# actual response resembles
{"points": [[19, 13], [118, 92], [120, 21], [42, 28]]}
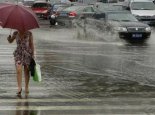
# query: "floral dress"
{"points": [[23, 52]]}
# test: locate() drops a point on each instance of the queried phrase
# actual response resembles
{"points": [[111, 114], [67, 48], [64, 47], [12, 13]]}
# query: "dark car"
{"points": [[120, 23], [41, 8], [54, 11], [67, 15]]}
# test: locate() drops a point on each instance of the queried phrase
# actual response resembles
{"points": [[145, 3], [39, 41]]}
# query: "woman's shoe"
{"points": [[19, 93], [27, 92]]}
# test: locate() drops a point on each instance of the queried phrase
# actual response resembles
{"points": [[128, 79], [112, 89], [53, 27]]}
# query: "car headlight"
{"points": [[121, 29], [137, 16], [148, 29]]}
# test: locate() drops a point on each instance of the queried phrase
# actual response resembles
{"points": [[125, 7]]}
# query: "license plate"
{"points": [[136, 35]]}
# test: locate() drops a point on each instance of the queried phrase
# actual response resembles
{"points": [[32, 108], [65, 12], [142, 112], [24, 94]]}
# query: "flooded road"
{"points": [[99, 68], [81, 76]]}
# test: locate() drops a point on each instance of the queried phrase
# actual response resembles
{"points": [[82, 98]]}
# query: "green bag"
{"points": [[33, 113], [37, 73]]}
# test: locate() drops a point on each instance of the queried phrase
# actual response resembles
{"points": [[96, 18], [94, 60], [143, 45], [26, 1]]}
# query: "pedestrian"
{"points": [[23, 54]]}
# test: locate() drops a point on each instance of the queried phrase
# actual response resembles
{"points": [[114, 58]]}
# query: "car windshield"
{"points": [[121, 17], [73, 8], [110, 7], [142, 6], [61, 8], [55, 7], [28, 3], [40, 5]]}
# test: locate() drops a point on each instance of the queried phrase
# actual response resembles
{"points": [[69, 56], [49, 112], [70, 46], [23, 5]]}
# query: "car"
{"points": [[109, 7], [28, 3], [54, 11], [108, 1], [66, 16], [41, 8], [143, 10], [120, 23]]}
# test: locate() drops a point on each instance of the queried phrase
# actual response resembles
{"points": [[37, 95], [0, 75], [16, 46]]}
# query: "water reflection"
{"points": [[25, 104]]}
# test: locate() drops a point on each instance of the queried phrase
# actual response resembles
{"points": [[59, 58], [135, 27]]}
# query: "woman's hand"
{"points": [[13, 37], [9, 38]]}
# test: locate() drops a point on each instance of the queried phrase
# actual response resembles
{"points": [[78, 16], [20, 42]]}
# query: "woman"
{"points": [[22, 55]]}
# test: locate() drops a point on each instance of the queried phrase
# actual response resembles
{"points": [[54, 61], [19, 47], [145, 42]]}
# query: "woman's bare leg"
{"points": [[27, 78], [19, 76]]}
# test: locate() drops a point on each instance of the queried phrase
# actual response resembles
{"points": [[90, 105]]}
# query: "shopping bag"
{"points": [[32, 67], [37, 73]]}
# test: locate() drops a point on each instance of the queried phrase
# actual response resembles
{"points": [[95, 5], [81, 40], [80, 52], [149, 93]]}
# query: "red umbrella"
{"points": [[17, 17]]}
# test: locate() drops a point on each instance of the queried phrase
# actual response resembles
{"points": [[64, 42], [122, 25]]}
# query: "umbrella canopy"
{"points": [[17, 17]]}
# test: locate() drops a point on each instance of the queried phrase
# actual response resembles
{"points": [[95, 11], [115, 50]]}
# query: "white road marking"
{"points": [[105, 107]]}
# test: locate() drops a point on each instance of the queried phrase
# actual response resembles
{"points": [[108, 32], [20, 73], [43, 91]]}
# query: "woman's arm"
{"points": [[31, 44], [12, 38]]}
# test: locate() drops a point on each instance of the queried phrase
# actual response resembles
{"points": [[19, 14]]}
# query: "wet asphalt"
{"points": [[81, 76]]}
